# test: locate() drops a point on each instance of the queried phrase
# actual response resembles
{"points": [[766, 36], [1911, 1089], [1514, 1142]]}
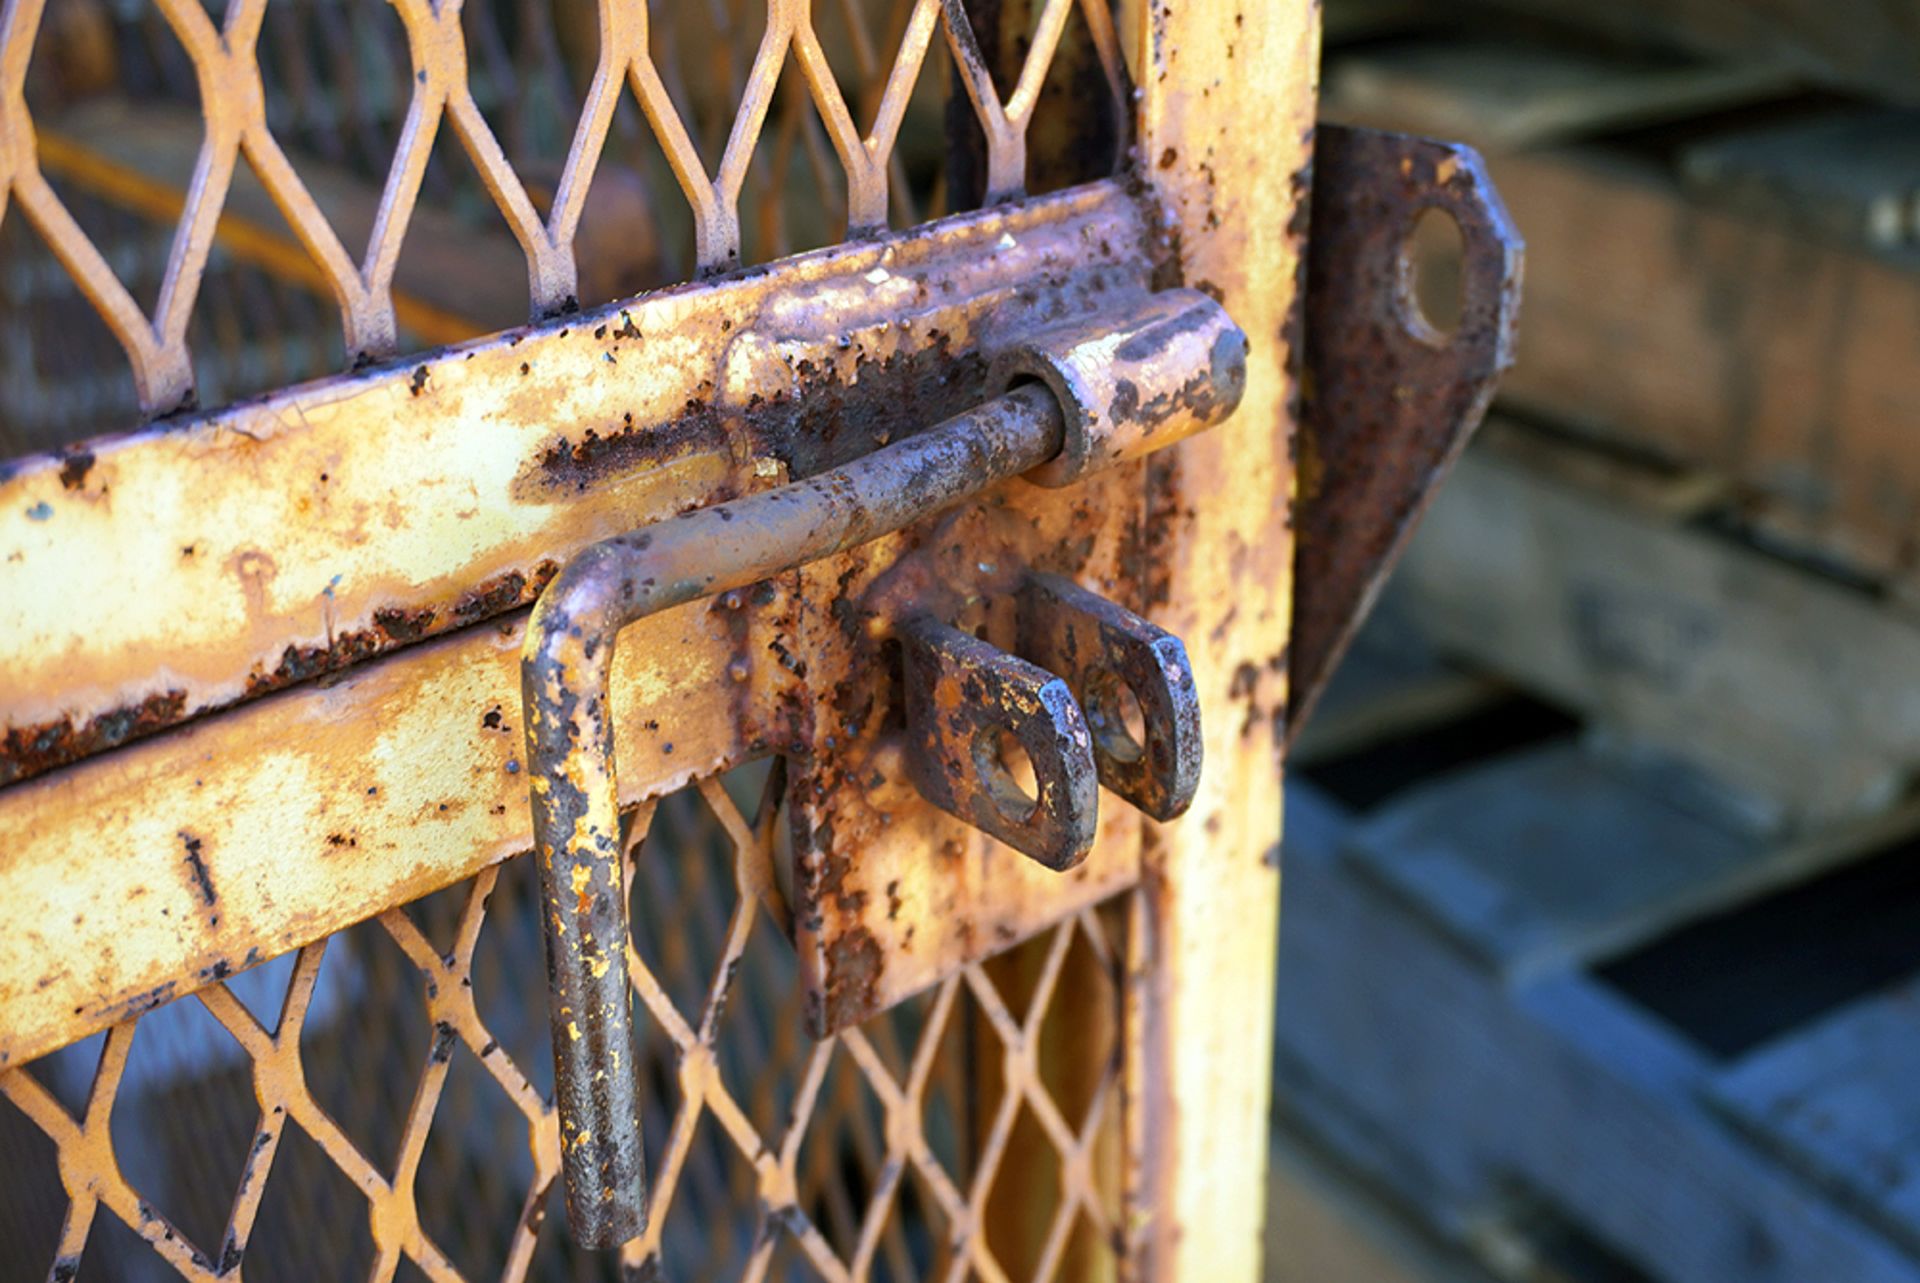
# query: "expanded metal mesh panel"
{"points": [[379, 1102], [182, 172], [205, 199]]}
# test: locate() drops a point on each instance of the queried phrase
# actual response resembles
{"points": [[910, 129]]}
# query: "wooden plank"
{"points": [[1498, 94], [1564, 854], [1542, 857], [1384, 1022], [1728, 343], [1853, 174], [1390, 684], [1863, 45], [1324, 1226], [1722, 341], [1802, 693], [1664, 492], [1836, 1101]]}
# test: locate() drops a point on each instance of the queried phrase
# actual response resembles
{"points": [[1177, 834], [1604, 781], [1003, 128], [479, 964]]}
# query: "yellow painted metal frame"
{"points": [[1226, 130], [194, 557], [1225, 111]]}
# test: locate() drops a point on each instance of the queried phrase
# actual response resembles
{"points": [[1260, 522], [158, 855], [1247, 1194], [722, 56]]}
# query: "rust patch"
{"points": [[74, 468], [393, 627], [197, 866], [403, 625], [31, 750], [577, 466], [854, 964], [501, 593], [299, 663], [138, 1004], [830, 419]]}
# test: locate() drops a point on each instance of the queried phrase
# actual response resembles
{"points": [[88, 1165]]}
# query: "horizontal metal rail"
{"points": [[152, 578]]}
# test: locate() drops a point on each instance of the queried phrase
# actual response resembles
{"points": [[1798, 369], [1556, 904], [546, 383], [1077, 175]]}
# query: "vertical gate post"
{"points": [[1226, 118]]}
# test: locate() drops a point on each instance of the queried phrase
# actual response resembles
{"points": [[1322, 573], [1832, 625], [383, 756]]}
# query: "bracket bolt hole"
{"points": [[1432, 276], [1115, 717], [1007, 772]]}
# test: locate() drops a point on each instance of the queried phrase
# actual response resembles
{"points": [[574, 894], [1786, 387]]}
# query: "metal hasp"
{"points": [[966, 701], [1389, 400], [1106, 653], [1160, 367], [1061, 700]]}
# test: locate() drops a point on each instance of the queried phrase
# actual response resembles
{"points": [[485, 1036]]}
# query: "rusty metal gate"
{"points": [[891, 365]]}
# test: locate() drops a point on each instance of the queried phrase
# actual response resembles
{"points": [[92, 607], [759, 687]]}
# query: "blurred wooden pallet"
{"points": [[1645, 963], [1541, 981], [1633, 596], [1864, 46]]}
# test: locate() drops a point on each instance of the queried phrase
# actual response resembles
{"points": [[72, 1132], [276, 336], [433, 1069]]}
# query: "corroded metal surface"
{"points": [[891, 893], [276, 822], [149, 578], [1390, 400], [309, 810], [957, 689], [1226, 124], [1179, 365], [880, 920]]}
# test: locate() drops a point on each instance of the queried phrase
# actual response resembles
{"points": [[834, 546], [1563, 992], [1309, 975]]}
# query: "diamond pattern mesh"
{"points": [[235, 195], [219, 197], [378, 1104]]}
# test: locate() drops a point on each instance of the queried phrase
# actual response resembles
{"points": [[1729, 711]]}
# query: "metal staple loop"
{"points": [[568, 657]]}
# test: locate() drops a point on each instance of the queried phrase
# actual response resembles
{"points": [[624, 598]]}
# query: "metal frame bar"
{"points": [[1218, 542], [148, 578], [1225, 128]]}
